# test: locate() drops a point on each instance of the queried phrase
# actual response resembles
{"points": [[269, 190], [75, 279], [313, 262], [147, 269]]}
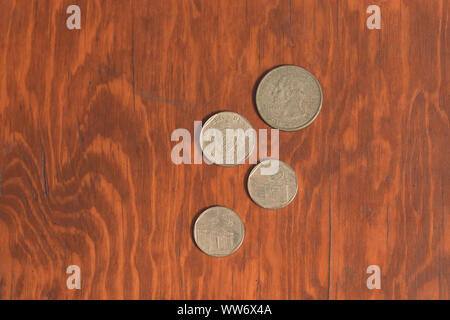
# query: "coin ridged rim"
{"points": [[211, 118], [223, 255], [253, 172], [265, 78]]}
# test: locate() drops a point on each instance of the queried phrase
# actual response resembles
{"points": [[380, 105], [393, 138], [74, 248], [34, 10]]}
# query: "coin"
{"points": [[227, 138], [289, 98], [218, 231], [272, 184]]}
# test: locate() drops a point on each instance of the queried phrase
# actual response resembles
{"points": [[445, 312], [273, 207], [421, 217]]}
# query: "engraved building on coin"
{"points": [[289, 98], [272, 189], [219, 231]]}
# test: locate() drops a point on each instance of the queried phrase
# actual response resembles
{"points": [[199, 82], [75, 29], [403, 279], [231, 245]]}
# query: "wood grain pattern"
{"points": [[85, 170]]}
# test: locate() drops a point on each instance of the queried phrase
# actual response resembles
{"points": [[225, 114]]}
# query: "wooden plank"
{"points": [[86, 176]]}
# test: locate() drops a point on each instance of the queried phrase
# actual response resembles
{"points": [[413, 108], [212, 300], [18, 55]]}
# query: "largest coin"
{"points": [[218, 231], [289, 98]]}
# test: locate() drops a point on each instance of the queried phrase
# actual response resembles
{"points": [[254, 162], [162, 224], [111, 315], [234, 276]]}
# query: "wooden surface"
{"points": [[87, 179]]}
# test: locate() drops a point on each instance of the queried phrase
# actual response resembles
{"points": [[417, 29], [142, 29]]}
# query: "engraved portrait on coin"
{"points": [[218, 231], [272, 191], [289, 98]]}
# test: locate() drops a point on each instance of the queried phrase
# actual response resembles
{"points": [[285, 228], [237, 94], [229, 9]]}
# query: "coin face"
{"points": [[289, 98], [227, 138], [272, 184], [218, 231]]}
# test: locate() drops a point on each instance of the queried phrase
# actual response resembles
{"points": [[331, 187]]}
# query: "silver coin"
{"points": [[219, 231], [227, 138], [289, 98], [272, 184]]}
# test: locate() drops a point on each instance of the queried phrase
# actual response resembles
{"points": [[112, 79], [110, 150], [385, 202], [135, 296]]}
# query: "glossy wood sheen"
{"points": [[86, 175]]}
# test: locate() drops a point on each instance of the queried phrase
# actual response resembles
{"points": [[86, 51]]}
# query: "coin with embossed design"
{"points": [[272, 184], [218, 231], [289, 98], [227, 138]]}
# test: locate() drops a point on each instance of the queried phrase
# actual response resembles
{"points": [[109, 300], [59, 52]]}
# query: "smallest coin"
{"points": [[219, 231]]}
